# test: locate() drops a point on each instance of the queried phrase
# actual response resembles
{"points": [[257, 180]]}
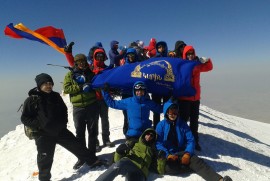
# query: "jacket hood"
{"points": [[98, 44], [114, 42], [35, 91], [138, 82], [165, 47], [141, 139], [178, 44], [96, 63], [131, 50], [186, 49], [166, 106]]}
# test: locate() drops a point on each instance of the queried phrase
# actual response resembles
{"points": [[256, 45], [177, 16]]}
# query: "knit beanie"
{"points": [[80, 57], [43, 78]]}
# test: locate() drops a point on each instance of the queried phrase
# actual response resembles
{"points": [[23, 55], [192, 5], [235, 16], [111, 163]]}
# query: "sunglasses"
{"points": [[189, 54], [131, 55], [81, 62], [139, 87], [160, 46], [100, 55]]}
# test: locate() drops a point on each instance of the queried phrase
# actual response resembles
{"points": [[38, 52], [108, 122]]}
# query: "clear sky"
{"points": [[235, 34]]}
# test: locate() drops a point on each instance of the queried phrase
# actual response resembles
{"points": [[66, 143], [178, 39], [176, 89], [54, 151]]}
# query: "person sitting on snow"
{"points": [[176, 140], [134, 162]]}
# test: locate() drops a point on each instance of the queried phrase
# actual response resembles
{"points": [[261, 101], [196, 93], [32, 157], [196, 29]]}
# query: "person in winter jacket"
{"points": [[48, 114], [189, 106], [162, 51], [135, 162], [138, 110], [114, 55], [83, 98], [179, 48], [130, 57], [150, 50], [99, 56], [97, 45], [138, 46], [175, 139]]}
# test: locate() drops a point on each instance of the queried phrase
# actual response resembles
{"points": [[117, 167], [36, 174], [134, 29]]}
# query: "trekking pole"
{"points": [[66, 67], [20, 107]]}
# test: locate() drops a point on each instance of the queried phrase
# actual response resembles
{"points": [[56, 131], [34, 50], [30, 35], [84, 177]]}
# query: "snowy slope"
{"points": [[233, 146]]}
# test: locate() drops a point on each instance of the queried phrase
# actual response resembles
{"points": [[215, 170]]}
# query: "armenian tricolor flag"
{"points": [[48, 35]]}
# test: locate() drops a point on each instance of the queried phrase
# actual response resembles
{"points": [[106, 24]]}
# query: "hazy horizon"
{"points": [[228, 89], [234, 38]]}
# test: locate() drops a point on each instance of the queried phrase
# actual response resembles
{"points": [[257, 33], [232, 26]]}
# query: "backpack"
{"points": [[31, 132]]}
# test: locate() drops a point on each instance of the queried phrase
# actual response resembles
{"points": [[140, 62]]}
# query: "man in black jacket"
{"points": [[49, 116]]}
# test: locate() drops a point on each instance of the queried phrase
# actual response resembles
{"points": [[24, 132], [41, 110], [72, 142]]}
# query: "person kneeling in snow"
{"points": [[175, 139], [134, 163], [49, 116]]}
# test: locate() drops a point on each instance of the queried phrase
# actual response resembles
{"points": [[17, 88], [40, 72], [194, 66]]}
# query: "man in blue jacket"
{"points": [[175, 139], [138, 109]]}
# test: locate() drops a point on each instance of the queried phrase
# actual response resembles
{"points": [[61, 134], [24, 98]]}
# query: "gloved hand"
{"points": [[204, 59], [171, 54], [86, 87], [80, 79], [161, 154], [122, 149], [68, 48], [122, 48], [172, 157], [174, 99], [185, 159], [106, 87]]}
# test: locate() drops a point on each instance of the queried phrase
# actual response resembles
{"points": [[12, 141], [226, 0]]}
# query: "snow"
{"points": [[232, 145]]}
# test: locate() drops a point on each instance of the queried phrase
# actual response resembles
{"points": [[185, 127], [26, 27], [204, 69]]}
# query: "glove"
{"points": [[80, 79], [68, 48], [122, 48], [161, 154], [185, 159], [171, 54], [106, 87], [86, 87], [122, 149], [204, 59], [174, 99], [172, 157]]}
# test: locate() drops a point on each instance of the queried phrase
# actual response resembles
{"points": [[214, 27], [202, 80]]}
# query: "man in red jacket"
{"points": [[189, 106], [99, 57]]}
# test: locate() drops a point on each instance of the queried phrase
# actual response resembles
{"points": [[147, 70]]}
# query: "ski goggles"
{"points": [[130, 55], [139, 87], [100, 55], [190, 53]]}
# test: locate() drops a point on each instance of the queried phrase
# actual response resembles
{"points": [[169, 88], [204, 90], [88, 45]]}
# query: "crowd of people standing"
{"points": [[168, 145]]}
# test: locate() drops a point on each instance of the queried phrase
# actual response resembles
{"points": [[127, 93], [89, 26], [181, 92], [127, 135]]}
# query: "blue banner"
{"points": [[162, 75]]}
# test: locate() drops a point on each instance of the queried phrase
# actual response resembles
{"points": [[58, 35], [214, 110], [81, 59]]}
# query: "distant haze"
{"points": [[231, 88]]}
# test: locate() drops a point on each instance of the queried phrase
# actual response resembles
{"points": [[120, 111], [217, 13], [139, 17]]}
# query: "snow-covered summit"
{"points": [[233, 146]]}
